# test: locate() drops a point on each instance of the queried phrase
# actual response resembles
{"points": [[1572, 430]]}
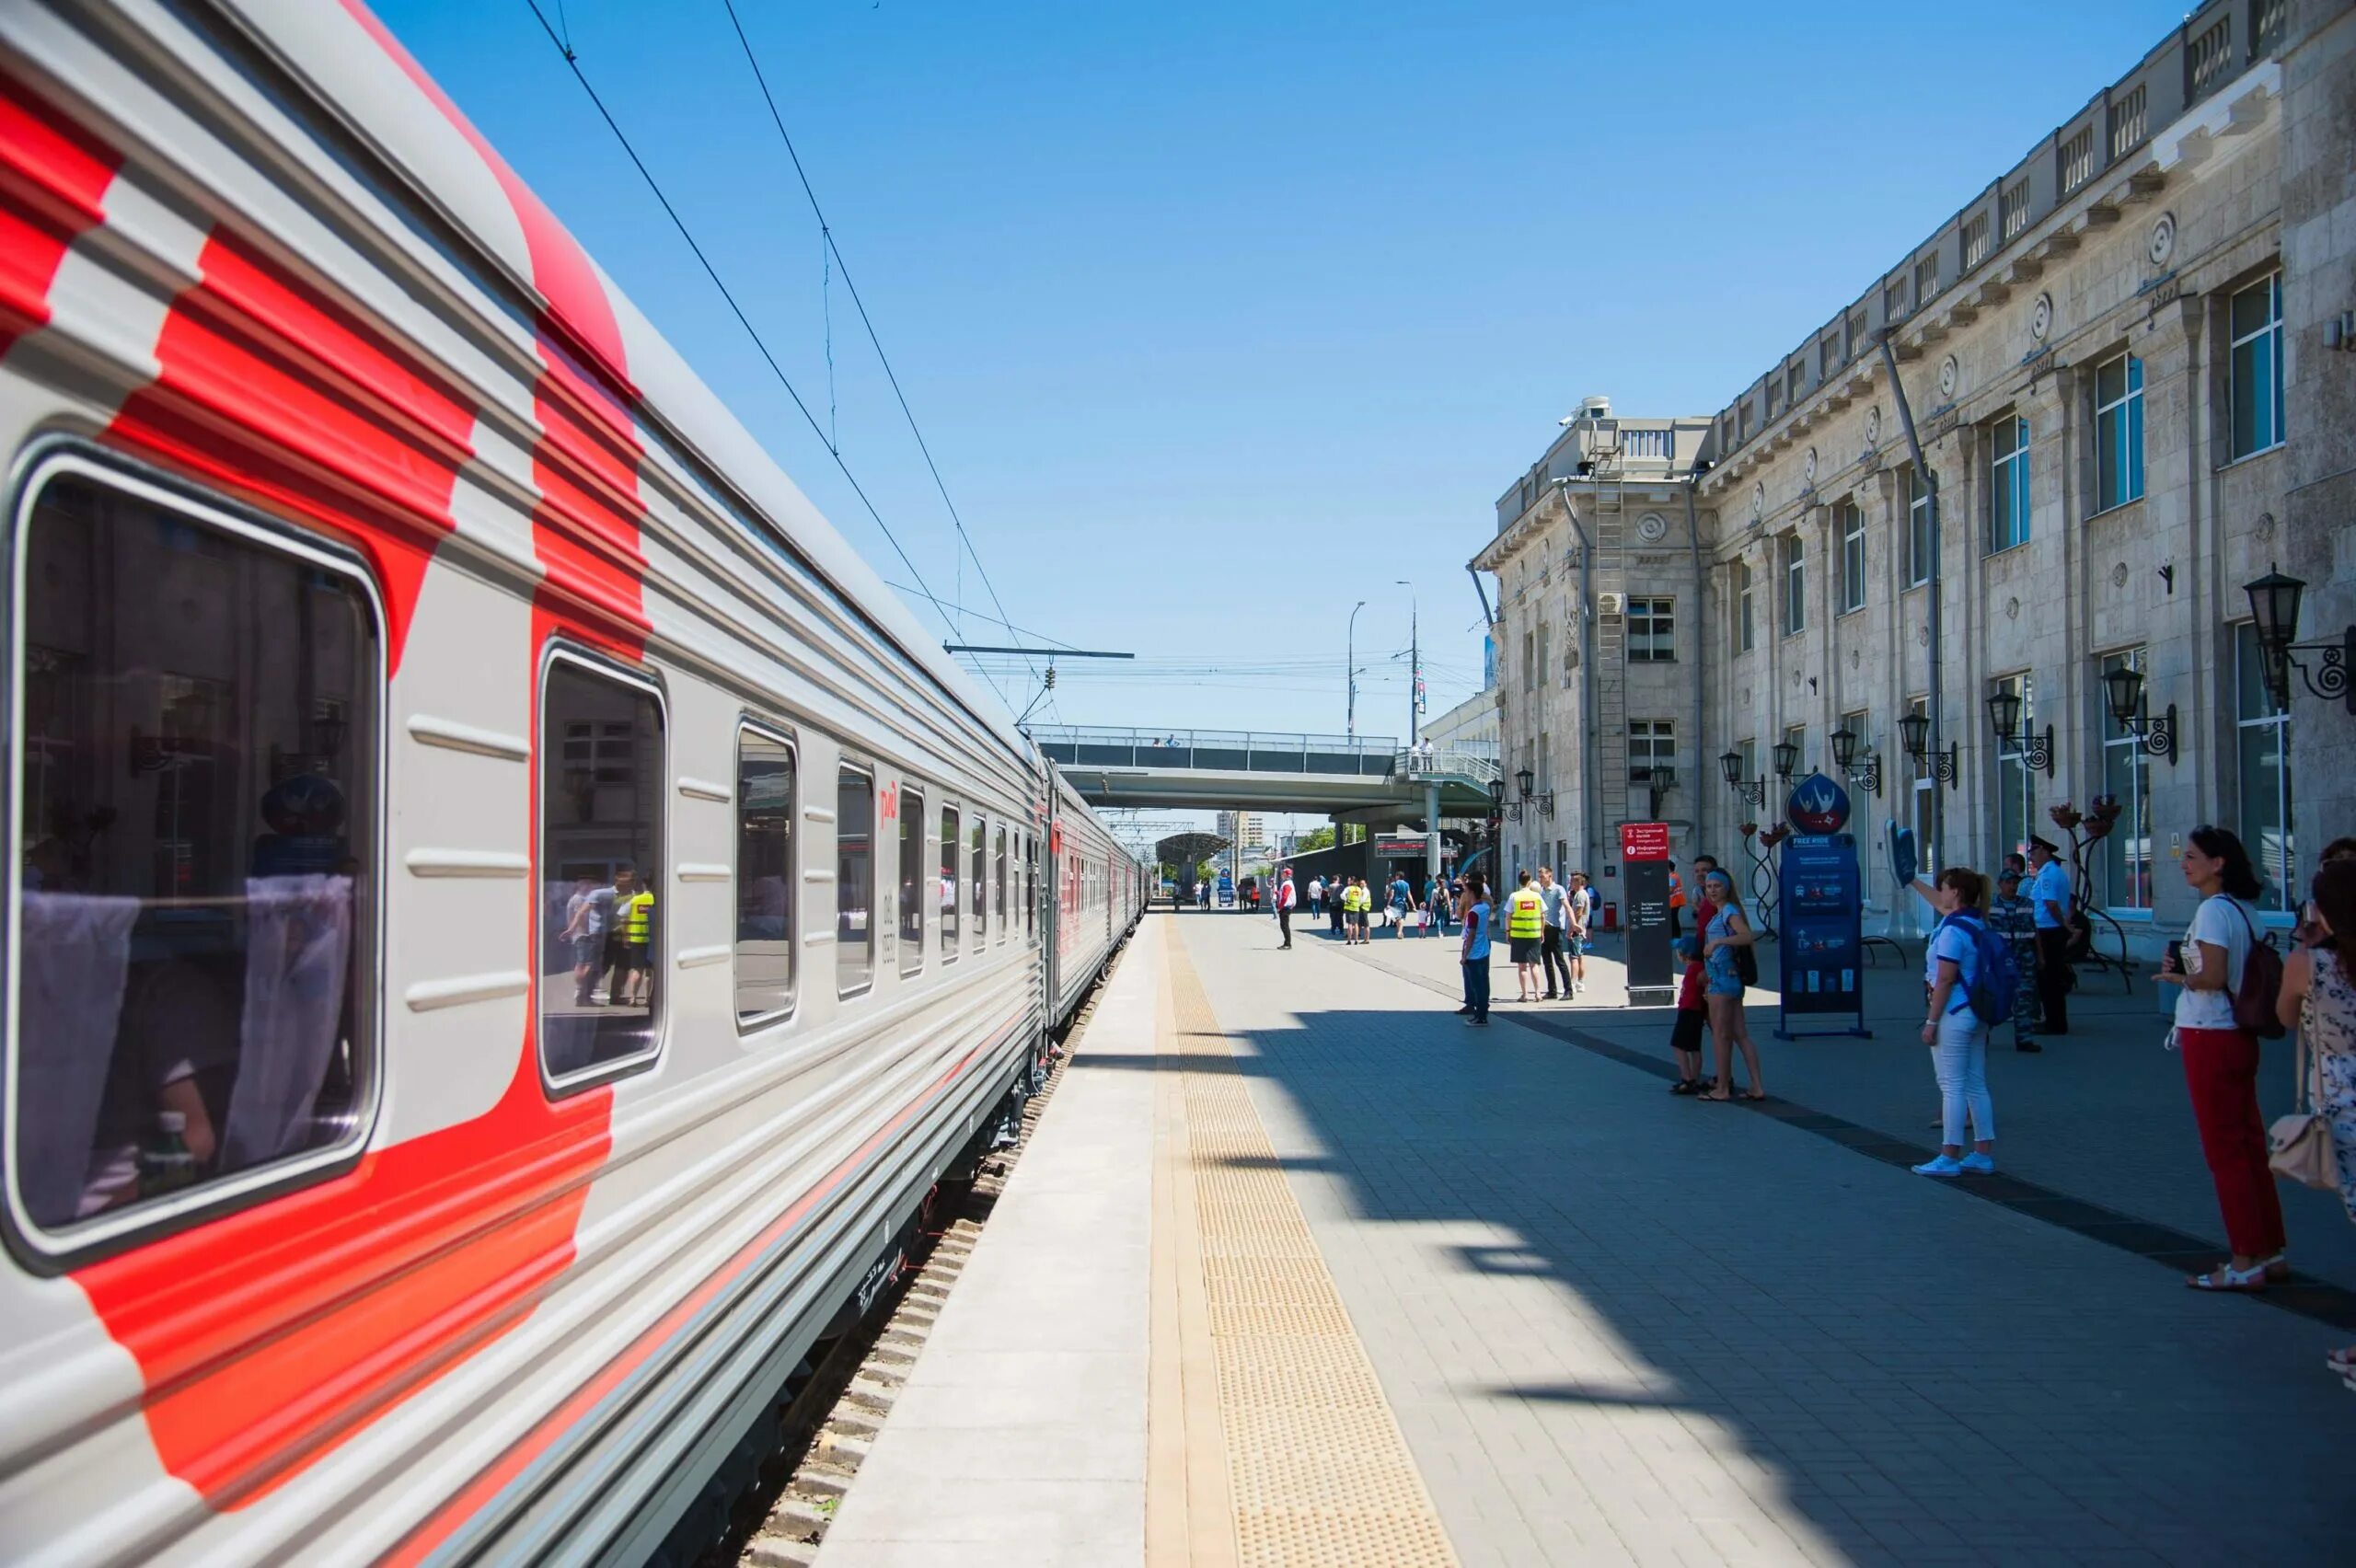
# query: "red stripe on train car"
{"points": [[272, 391], [53, 178], [479, 1492]]}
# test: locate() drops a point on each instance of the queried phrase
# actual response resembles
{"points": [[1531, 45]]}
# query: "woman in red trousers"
{"points": [[2221, 1058]]}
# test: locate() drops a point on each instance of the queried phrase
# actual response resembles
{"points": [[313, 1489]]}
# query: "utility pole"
{"points": [[1415, 665], [1350, 668]]}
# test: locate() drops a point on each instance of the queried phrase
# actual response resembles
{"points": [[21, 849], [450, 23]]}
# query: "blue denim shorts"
{"points": [[1723, 985]]}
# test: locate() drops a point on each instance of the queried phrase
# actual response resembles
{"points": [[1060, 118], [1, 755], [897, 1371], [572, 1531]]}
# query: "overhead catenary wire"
{"points": [[826, 236], [572, 64]]}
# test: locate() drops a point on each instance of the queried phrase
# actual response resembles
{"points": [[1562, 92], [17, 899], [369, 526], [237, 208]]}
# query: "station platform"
{"points": [[1297, 1269]]}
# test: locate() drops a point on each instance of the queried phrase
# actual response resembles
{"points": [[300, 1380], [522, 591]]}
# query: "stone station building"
{"points": [[2127, 364]]}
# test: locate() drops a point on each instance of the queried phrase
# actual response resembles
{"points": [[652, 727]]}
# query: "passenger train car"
{"points": [[508, 917]]}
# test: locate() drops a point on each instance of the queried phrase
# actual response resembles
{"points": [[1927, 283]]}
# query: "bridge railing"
{"points": [[1229, 751], [1446, 762]]}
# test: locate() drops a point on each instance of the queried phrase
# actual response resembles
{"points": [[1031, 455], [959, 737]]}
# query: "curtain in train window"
{"points": [[601, 869], [763, 875], [195, 841], [978, 878], [949, 906], [854, 879], [912, 879]]}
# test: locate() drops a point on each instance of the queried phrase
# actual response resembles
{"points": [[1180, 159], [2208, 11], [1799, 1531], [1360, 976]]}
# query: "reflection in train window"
{"points": [[979, 880], [763, 875], [601, 869], [196, 837], [948, 883], [854, 879], [998, 858], [912, 877]]}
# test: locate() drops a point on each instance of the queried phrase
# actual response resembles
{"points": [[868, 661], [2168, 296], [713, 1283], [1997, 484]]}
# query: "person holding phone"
{"points": [[2221, 1059]]}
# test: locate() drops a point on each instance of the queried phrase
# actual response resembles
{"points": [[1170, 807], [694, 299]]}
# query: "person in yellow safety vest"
{"points": [[634, 915], [1526, 930], [1355, 902]]}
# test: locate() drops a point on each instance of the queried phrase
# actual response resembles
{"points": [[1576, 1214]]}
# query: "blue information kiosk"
{"points": [[1822, 912]]}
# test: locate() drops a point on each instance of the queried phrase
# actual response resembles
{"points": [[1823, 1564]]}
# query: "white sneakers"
{"points": [[1973, 1164]]}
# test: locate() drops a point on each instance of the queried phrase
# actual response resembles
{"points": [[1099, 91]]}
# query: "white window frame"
{"points": [[1795, 553], [2270, 333], [1919, 542], [2278, 720], [2008, 475], [205, 1201], [775, 735], [1746, 611], [2118, 435], [846, 763], [1852, 558], [928, 872]]}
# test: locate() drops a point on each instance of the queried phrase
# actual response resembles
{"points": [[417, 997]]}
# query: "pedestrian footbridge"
{"points": [[1260, 770]]}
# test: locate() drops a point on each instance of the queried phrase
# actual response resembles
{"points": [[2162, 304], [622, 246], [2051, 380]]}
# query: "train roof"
{"points": [[355, 69]]}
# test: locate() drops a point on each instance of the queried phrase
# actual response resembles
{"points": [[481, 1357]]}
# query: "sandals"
{"points": [[2226, 1278], [1754, 1094], [1714, 1098], [1686, 1086]]}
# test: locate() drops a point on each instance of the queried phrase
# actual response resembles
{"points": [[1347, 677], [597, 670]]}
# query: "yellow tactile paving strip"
{"points": [[1272, 1445]]}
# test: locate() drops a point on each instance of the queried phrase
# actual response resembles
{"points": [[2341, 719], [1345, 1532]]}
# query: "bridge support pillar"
{"points": [[1431, 832]]}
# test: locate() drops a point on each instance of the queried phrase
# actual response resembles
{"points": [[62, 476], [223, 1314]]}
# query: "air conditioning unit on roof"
{"points": [[1610, 603]]}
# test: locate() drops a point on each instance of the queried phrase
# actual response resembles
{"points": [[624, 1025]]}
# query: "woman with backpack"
{"points": [[1958, 957], [2319, 1000], [2220, 1048]]}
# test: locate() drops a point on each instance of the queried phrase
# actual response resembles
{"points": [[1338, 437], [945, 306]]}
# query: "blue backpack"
{"points": [[1995, 979]]}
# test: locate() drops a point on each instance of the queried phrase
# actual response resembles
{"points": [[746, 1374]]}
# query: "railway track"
{"points": [[773, 1502]]}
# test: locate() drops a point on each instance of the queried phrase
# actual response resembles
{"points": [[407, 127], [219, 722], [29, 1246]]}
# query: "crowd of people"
{"points": [[1999, 955]]}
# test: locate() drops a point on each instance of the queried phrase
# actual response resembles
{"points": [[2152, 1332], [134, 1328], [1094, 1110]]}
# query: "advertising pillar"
{"points": [[1643, 852]]}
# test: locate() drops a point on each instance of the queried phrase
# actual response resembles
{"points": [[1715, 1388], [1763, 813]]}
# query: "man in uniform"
{"points": [[1526, 930], [1551, 957], [1284, 905], [2048, 900], [2009, 916]]}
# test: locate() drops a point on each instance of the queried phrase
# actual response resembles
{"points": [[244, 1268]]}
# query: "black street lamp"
{"points": [[2005, 716], [1844, 757], [1914, 731], [1527, 780], [1787, 757], [2274, 605], [1731, 765], [2122, 691]]}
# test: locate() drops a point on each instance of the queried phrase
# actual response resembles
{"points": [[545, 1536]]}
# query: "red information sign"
{"points": [[1643, 841]]}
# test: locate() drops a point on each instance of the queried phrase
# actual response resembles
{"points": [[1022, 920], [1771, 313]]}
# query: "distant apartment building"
{"points": [[2129, 363]]}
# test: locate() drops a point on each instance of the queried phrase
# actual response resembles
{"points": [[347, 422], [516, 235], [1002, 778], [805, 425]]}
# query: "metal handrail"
{"points": [[1224, 739]]}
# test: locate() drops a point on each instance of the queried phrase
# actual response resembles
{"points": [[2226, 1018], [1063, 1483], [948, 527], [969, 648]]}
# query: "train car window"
{"points": [[763, 875], [193, 934], [912, 889], [997, 858], [948, 884], [979, 875], [601, 870], [854, 879], [1031, 887]]}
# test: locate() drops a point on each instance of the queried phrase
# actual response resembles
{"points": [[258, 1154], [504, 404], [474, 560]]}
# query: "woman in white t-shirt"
{"points": [[2221, 1059], [1956, 1036]]}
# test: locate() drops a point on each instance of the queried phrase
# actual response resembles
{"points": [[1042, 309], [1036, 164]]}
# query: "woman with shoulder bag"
{"points": [[2221, 1058], [2319, 999]]}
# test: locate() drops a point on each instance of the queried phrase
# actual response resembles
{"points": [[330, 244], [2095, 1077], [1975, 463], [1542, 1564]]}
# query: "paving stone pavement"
{"points": [[1619, 1327]]}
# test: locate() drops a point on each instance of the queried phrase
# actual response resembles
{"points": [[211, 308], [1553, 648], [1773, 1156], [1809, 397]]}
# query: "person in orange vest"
{"points": [[1676, 903]]}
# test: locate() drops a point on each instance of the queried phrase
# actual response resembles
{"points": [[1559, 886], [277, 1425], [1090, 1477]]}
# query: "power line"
{"points": [[573, 63], [827, 234]]}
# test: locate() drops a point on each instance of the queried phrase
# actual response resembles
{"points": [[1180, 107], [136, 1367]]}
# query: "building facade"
{"points": [[2124, 361]]}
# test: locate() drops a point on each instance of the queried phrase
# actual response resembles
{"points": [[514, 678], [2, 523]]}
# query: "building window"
{"points": [[2015, 785], [1748, 768], [854, 879], [2075, 160], [1853, 557], [1856, 332], [1794, 585], [1975, 241], [2255, 368], [1795, 380], [1927, 279], [1528, 662], [2008, 483], [2125, 865], [1828, 355], [1855, 721], [1545, 656], [2263, 731], [913, 855], [2119, 432], [763, 875], [601, 823], [1919, 536], [1652, 631], [2126, 121], [2012, 207], [1795, 736], [1893, 299], [1652, 743], [193, 941], [1924, 811], [949, 905], [1745, 615]]}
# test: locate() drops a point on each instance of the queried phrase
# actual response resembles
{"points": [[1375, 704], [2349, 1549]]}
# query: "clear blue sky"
{"points": [[1221, 317]]}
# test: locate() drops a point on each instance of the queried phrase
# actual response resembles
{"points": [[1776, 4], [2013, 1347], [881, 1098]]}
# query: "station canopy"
{"points": [[1187, 848]]}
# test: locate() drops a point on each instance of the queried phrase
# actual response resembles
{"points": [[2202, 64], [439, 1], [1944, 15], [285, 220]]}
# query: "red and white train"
{"points": [[508, 916]]}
